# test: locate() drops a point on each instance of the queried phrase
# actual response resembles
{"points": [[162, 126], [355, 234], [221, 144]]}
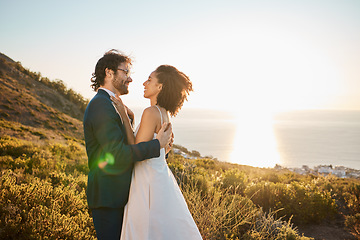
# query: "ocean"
{"points": [[319, 138], [290, 139]]}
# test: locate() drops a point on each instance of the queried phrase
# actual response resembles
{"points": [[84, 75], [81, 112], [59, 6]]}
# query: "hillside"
{"points": [[43, 177], [29, 99]]}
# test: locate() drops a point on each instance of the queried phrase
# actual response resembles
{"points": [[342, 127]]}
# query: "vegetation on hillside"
{"points": [[43, 194], [58, 85], [54, 93]]}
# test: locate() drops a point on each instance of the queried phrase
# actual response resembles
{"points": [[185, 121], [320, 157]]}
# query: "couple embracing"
{"points": [[131, 192]]}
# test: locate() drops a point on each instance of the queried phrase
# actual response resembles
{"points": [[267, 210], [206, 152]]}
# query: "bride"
{"points": [[156, 208]]}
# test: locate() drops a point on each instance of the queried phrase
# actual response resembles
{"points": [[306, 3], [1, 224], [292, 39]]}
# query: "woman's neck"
{"points": [[153, 101]]}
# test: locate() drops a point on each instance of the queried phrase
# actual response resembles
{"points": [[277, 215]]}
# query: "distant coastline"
{"points": [[325, 170], [338, 171]]}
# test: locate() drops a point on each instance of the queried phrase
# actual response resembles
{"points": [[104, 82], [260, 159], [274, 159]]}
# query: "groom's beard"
{"points": [[121, 86]]}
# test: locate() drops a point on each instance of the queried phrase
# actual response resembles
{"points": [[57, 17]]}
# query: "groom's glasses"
{"points": [[127, 72]]}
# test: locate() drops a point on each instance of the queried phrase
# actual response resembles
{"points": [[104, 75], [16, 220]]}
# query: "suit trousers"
{"points": [[108, 222]]}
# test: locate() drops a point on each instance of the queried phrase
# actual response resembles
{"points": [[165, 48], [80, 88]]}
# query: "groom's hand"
{"points": [[164, 134], [102, 164]]}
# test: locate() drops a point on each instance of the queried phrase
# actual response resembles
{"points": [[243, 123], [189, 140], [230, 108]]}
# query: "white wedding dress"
{"points": [[156, 208]]}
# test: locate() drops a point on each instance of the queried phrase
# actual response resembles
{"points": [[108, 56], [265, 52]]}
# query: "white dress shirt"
{"points": [[113, 95]]}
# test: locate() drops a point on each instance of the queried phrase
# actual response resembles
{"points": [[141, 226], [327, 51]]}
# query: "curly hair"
{"points": [[175, 88], [111, 60]]}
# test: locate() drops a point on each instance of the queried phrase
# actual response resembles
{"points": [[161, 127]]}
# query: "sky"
{"points": [[266, 56]]}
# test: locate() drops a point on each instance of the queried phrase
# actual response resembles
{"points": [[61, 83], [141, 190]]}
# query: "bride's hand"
{"points": [[169, 146], [123, 110], [118, 104]]}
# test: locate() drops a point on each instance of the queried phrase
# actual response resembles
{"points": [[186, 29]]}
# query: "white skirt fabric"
{"points": [[156, 208]]}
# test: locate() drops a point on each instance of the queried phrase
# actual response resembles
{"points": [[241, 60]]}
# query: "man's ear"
{"points": [[108, 72]]}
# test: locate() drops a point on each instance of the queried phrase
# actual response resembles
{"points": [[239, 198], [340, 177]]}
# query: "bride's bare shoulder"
{"points": [[151, 113]]}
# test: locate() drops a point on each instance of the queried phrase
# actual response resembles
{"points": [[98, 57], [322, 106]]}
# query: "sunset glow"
{"points": [[254, 142]]}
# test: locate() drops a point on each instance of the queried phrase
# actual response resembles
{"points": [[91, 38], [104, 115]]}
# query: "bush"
{"points": [[16, 148], [234, 181], [219, 216], [267, 226], [36, 209], [305, 202], [352, 222]]}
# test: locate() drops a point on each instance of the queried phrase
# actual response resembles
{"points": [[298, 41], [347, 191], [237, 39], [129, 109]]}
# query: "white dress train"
{"points": [[156, 208]]}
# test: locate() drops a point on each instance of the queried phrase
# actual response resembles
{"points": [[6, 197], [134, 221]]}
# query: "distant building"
{"points": [[324, 169], [179, 152]]}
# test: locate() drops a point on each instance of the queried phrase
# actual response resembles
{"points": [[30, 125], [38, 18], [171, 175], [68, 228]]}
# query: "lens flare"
{"points": [[107, 159]]}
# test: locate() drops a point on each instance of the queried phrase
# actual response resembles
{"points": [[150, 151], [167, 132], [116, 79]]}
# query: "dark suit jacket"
{"points": [[105, 139]]}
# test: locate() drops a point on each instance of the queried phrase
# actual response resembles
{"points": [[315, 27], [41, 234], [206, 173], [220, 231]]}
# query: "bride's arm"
{"points": [[147, 128], [122, 109]]}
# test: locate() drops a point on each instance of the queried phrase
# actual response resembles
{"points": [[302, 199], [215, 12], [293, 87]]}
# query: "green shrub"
{"points": [[36, 209], [305, 202], [235, 181], [16, 148], [267, 226], [352, 222], [219, 216]]}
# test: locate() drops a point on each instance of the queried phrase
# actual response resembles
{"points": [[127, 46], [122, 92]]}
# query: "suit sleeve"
{"points": [[119, 155]]}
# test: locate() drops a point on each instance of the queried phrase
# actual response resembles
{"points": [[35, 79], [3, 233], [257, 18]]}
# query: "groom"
{"points": [[110, 158]]}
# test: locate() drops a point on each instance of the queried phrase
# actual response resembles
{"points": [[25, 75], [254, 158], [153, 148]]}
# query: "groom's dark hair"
{"points": [[111, 60]]}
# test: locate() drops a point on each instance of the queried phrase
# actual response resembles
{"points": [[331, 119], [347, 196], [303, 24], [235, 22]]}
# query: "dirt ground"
{"points": [[328, 231]]}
